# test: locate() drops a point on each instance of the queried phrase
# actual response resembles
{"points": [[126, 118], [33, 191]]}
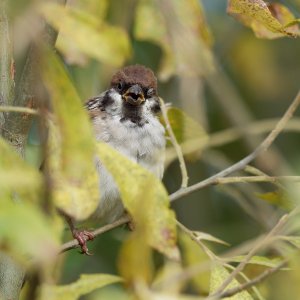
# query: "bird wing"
{"points": [[93, 106]]}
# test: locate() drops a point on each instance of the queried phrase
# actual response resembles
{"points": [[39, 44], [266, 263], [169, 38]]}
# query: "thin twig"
{"points": [[246, 278], [249, 179], [230, 135], [74, 243], [193, 236], [261, 277], [259, 245], [245, 161], [184, 174], [18, 109]]}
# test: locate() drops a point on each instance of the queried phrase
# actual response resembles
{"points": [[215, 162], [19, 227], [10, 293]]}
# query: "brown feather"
{"points": [[136, 74]]}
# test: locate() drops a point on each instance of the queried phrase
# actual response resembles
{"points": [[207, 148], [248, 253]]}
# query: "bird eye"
{"points": [[120, 86], [150, 92]]}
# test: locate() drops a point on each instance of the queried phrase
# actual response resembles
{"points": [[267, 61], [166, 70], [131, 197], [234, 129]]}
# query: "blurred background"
{"points": [[212, 67]]}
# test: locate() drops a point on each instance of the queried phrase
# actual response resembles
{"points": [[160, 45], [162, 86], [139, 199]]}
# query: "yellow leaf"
{"points": [[71, 144], [218, 276], [135, 259], [278, 198], [179, 28], [84, 285], [82, 31], [193, 254], [267, 21], [163, 276], [259, 260], [144, 197]]}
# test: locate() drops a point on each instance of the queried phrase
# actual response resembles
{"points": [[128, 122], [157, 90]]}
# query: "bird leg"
{"points": [[81, 235]]}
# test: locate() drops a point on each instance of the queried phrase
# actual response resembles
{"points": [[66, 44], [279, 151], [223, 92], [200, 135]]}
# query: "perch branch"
{"points": [[175, 144], [245, 161], [74, 243]]}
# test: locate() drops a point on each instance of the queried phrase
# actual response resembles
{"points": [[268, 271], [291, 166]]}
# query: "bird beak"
{"points": [[134, 95]]}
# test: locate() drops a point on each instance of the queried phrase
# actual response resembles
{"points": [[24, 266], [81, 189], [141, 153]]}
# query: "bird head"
{"points": [[135, 84]]}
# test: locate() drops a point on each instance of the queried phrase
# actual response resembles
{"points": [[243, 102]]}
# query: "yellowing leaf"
{"points": [[83, 32], [71, 146], [84, 285], [257, 260], [189, 134], [162, 278], [179, 28], [267, 21], [208, 237], [135, 259], [218, 276], [277, 198], [150, 201], [193, 254], [25, 230], [16, 175]]}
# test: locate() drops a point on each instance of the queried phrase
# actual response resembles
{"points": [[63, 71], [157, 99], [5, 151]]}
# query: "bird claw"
{"points": [[131, 223], [82, 236]]}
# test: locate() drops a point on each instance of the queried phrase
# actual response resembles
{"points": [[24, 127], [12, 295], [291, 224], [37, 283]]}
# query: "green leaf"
{"points": [[181, 32], [218, 276], [266, 20], [294, 240], [84, 32], [84, 285], [152, 214], [75, 186], [190, 135], [257, 260]]}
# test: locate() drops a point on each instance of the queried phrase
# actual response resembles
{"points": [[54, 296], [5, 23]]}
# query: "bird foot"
{"points": [[131, 224], [82, 236]]}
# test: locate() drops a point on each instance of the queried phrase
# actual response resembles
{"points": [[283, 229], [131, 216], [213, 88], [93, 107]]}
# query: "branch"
{"points": [[18, 109], [6, 62], [245, 161], [74, 243], [29, 91], [258, 246], [194, 238], [254, 281], [259, 127], [175, 144], [249, 179]]}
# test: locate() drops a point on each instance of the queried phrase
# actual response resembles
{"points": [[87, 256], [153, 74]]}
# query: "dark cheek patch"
{"points": [[107, 101], [155, 108]]}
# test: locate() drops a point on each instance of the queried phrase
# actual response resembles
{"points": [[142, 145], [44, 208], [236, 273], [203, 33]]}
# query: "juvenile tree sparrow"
{"points": [[125, 117]]}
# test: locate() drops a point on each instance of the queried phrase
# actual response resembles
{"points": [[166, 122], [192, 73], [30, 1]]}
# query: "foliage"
{"points": [[156, 260]]}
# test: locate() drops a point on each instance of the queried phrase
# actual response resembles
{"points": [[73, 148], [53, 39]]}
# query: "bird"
{"points": [[126, 117]]}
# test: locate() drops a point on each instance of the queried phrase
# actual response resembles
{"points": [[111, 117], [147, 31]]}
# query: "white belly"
{"points": [[142, 144]]}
